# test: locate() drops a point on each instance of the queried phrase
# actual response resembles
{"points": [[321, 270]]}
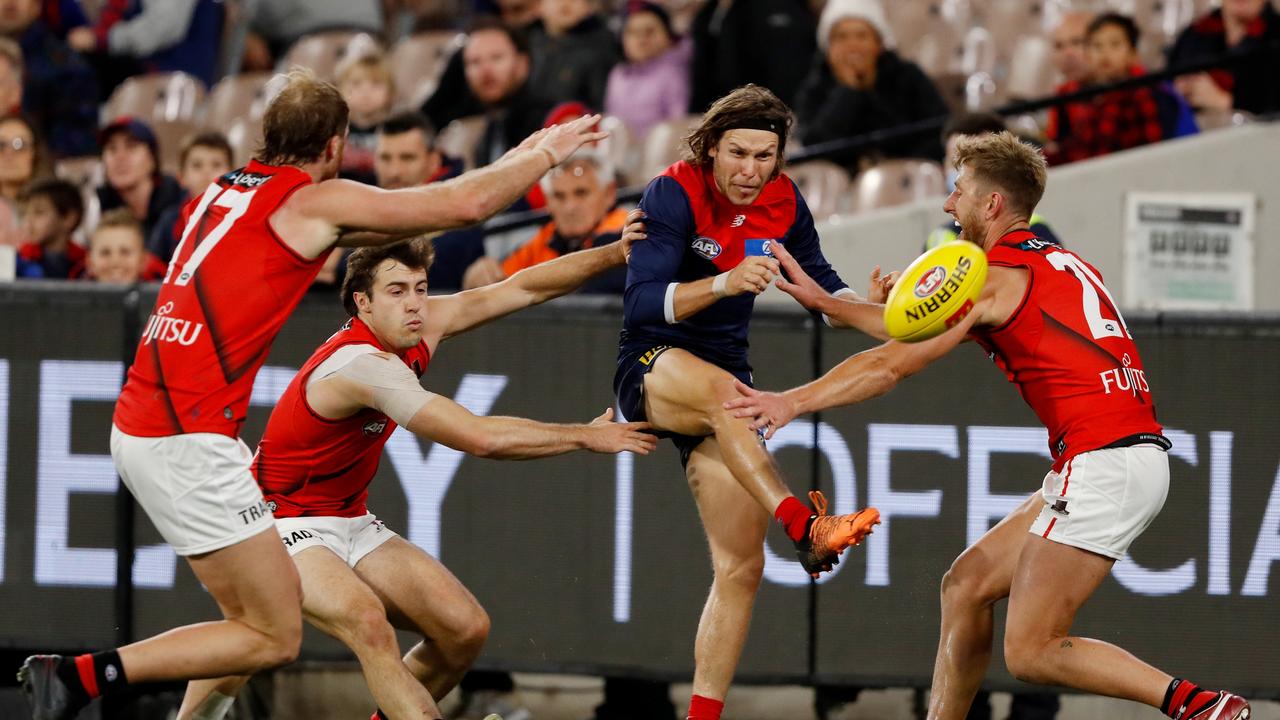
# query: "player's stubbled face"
{"points": [[743, 162], [398, 304], [963, 205]]}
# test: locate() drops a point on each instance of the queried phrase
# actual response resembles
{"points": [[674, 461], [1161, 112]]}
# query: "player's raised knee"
{"points": [[1025, 660], [965, 583], [366, 627], [742, 572]]}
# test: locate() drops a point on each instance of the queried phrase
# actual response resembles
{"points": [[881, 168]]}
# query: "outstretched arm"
{"points": [[844, 311], [866, 375], [453, 314]]}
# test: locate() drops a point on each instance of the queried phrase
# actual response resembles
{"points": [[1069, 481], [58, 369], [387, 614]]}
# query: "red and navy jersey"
{"points": [[230, 287], [694, 232], [1068, 350], [308, 464]]}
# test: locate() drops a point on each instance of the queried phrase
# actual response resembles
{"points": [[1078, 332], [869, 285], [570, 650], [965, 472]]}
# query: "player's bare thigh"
{"points": [[254, 581], [419, 592], [333, 594], [734, 522], [984, 571], [682, 392]]}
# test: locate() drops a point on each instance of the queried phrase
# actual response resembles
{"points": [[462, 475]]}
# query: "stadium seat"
{"points": [[949, 50], [244, 134], [417, 62], [459, 138], [322, 52], [952, 88], [662, 146], [824, 184], [1010, 20], [83, 172], [980, 92], [1031, 73], [236, 96], [156, 97], [169, 135], [913, 20], [620, 150], [897, 182]]}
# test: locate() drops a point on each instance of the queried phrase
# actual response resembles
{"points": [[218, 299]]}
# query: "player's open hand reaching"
{"points": [[800, 286], [606, 436], [768, 410], [560, 141], [878, 290]]}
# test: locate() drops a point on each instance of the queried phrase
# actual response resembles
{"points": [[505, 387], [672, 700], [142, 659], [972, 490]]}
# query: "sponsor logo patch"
{"points": [[706, 247], [930, 281]]}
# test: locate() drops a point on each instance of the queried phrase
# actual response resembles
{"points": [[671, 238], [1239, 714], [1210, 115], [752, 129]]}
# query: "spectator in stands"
{"points": [[858, 84], [406, 157], [572, 52], [652, 85], [277, 24], [453, 98], [205, 157], [1119, 119], [116, 254], [51, 212], [131, 161], [23, 157], [60, 90], [10, 77], [497, 68], [1238, 27], [736, 42], [63, 16], [133, 37], [369, 89], [1068, 45], [581, 197]]}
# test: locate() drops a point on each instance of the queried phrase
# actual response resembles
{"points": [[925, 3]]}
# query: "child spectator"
{"points": [[1119, 119], [367, 86], [205, 157], [652, 85], [116, 254], [51, 211]]}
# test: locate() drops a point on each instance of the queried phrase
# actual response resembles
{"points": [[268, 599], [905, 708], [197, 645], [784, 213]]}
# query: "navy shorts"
{"points": [[628, 386]]}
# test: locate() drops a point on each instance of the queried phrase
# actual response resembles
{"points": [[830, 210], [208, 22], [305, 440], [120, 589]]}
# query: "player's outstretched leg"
{"points": [[979, 577], [422, 596], [1050, 584], [256, 587], [735, 525], [338, 602], [686, 395]]}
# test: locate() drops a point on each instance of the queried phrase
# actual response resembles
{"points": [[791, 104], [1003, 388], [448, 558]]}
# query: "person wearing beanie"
{"points": [[651, 85], [131, 162], [858, 84]]}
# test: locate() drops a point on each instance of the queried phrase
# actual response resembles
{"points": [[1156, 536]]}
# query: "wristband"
{"points": [[550, 156], [719, 287]]}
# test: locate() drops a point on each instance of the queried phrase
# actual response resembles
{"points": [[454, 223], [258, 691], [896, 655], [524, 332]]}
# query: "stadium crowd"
{"points": [[136, 104]]}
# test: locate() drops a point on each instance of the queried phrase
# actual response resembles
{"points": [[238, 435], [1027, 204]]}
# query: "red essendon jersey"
{"points": [[311, 465], [230, 287], [1068, 350]]}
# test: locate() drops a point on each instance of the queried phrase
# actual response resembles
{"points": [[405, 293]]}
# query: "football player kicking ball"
{"points": [[321, 449], [1050, 324], [691, 287]]}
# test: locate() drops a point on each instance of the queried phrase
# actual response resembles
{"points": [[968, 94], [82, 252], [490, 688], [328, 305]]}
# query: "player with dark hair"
{"points": [[1047, 320], [252, 244], [321, 449], [711, 221]]}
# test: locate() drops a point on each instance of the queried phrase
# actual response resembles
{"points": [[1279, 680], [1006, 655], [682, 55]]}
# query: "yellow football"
{"points": [[936, 291]]}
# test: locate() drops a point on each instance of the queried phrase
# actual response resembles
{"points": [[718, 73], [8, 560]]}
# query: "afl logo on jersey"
{"points": [[930, 281], [706, 247], [374, 428]]}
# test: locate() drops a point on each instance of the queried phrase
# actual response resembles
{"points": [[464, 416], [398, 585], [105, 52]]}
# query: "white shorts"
{"points": [[196, 488], [1104, 499], [348, 538]]}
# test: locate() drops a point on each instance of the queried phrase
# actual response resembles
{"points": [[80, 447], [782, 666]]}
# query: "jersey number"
{"points": [[235, 202], [1100, 325]]}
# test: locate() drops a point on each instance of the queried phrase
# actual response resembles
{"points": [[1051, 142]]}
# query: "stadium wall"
{"points": [[597, 564]]}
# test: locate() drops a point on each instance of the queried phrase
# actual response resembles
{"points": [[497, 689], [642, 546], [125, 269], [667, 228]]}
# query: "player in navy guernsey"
{"points": [[1050, 324], [690, 289]]}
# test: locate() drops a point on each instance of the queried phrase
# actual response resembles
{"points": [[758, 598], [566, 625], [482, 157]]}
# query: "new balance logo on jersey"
{"points": [[163, 328], [706, 247], [738, 220], [374, 427]]}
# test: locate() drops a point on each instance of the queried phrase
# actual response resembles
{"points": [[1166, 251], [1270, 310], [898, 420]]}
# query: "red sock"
{"points": [[794, 516], [1185, 698], [704, 708]]}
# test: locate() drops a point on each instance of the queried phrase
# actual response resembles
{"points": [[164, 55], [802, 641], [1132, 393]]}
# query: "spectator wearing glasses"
{"points": [[22, 156]]}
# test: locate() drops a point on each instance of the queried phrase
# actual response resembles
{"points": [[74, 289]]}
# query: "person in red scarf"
{"points": [[1116, 120], [1239, 26]]}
